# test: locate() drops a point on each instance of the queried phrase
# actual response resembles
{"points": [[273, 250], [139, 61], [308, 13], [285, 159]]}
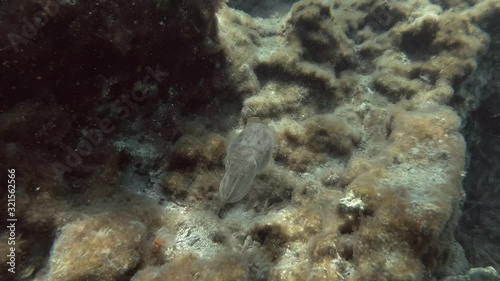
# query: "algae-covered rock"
{"points": [[376, 107], [102, 247]]}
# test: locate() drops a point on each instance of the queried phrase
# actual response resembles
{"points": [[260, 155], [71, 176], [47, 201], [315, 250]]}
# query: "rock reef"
{"points": [[116, 116]]}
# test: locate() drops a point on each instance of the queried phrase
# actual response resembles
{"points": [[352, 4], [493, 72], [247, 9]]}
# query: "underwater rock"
{"points": [[103, 247], [367, 99]]}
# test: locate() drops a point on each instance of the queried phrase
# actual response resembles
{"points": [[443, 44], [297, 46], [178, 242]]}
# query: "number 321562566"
{"points": [[11, 188]]}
